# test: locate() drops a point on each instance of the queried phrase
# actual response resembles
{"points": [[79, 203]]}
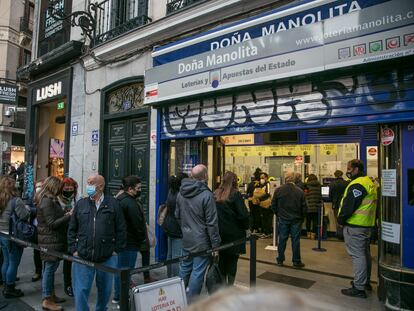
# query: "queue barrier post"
{"points": [[253, 251], [320, 230], [125, 279]]}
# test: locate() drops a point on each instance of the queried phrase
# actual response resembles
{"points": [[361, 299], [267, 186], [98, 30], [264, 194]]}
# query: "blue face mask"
{"points": [[91, 190]]}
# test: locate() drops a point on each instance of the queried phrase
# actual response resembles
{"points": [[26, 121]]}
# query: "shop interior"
{"points": [[51, 140], [243, 154]]}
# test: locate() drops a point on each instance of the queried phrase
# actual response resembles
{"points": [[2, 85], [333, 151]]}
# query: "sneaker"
{"points": [[279, 263], [367, 286], [353, 292], [36, 277], [115, 300], [298, 264], [69, 290]]}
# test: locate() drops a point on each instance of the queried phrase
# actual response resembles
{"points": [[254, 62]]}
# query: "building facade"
{"points": [[16, 27], [152, 88]]}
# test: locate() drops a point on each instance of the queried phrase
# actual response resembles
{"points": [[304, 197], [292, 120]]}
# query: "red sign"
{"points": [[372, 151], [387, 136]]}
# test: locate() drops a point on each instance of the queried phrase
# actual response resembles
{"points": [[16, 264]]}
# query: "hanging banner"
{"points": [[8, 94], [380, 32]]}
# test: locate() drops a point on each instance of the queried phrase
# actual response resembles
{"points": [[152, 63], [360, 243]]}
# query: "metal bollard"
{"points": [[253, 239], [124, 294]]}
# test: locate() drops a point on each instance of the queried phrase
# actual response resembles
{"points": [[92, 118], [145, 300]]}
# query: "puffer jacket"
{"points": [[97, 234], [197, 215], [313, 196], [52, 227]]}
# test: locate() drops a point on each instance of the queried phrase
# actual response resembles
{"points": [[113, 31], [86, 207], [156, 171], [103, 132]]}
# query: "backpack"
{"points": [[21, 229]]}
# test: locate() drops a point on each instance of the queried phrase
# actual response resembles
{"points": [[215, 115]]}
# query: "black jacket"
{"points": [[171, 225], [95, 235], [313, 196], [197, 215], [336, 191], [289, 203], [233, 219], [52, 227], [134, 220]]}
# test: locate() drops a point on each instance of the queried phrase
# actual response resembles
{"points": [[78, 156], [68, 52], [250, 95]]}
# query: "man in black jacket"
{"points": [[289, 205], [96, 233], [135, 226], [197, 215]]}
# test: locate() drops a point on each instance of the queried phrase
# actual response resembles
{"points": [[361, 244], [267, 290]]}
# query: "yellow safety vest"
{"points": [[365, 215]]}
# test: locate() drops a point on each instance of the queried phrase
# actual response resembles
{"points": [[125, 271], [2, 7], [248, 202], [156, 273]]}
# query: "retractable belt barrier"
{"points": [[125, 273]]}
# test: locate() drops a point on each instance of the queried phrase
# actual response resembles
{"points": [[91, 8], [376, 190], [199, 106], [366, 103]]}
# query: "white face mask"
{"points": [[38, 189], [262, 181]]}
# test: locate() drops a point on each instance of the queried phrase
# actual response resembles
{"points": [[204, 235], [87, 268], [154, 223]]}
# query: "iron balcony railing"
{"points": [[26, 25], [176, 5], [115, 17]]}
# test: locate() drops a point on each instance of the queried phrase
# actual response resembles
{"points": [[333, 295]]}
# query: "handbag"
{"points": [[162, 214], [151, 238], [21, 229], [214, 278]]}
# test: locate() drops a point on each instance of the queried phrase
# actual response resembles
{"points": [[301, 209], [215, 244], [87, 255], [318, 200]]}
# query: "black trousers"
{"points": [[228, 267], [312, 222], [267, 220], [255, 217]]}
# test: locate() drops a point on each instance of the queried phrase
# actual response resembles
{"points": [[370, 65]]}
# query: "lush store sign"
{"points": [[8, 94], [378, 32]]}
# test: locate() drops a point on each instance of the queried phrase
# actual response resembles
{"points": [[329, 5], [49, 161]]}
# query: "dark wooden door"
{"points": [[126, 152]]}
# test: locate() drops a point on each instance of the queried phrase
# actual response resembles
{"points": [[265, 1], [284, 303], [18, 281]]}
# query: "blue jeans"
{"points": [[175, 249], [126, 259], [192, 271], [82, 279], [48, 278], [286, 227], [12, 254]]}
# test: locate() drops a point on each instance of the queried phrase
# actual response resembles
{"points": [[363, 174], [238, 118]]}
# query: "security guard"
{"points": [[357, 214]]}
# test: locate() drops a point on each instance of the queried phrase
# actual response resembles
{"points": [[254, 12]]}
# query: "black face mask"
{"points": [[138, 194], [67, 194]]}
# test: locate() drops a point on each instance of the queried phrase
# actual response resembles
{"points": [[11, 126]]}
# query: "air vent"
{"points": [[280, 137], [336, 131]]}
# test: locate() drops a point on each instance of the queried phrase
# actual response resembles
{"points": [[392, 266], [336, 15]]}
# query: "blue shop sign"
{"points": [[285, 18]]}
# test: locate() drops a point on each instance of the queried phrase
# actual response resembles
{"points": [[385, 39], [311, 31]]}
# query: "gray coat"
{"points": [[196, 213], [22, 211]]}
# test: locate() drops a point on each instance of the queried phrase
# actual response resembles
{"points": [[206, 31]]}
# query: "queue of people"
{"points": [[112, 230]]}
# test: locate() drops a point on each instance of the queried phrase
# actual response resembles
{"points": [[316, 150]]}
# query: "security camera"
{"points": [[9, 112]]}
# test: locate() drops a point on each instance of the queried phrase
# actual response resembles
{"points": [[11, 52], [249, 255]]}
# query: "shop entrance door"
{"points": [[126, 153]]}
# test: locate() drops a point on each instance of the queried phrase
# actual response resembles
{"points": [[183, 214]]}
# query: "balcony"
{"points": [[116, 18], [177, 5], [26, 26]]}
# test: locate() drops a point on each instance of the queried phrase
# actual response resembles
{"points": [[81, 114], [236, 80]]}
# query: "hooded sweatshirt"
{"points": [[197, 215]]}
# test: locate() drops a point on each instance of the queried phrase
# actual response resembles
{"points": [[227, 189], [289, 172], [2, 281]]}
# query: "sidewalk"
{"points": [[319, 286]]}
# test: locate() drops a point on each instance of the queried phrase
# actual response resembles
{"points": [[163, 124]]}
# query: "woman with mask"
{"points": [[52, 228], [263, 199], [12, 252], [233, 219], [67, 200], [135, 225]]}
